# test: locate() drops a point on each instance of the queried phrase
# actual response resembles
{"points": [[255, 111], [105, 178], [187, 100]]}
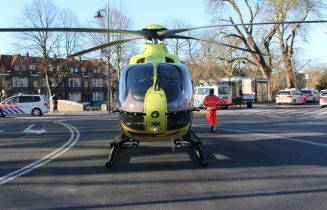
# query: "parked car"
{"points": [[85, 103], [23, 104], [98, 103], [323, 98], [310, 94], [290, 96]]}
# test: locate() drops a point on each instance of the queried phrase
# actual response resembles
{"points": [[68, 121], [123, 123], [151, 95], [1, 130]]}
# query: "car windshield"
{"points": [[306, 91], [284, 92]]}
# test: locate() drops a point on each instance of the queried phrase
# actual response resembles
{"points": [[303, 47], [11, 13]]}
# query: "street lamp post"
{"points": [[108, 56]]}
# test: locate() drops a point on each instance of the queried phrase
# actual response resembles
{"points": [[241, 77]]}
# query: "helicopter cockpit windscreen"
{"points": [[170, 80], [135, 81], [175, 80]]}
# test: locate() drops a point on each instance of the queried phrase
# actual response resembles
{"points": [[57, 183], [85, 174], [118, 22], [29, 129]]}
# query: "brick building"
{"points": [[71, 79]]}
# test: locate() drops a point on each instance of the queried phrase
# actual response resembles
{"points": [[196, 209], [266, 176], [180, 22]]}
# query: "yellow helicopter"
{"points": [[155, 95], [155, 88]]}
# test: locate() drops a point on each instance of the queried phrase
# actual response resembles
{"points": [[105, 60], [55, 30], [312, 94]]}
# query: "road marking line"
{"points": [[74, 137], [220, 156], [276, 136], [29, 130]]}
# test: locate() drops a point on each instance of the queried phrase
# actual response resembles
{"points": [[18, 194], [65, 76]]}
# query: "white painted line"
{"points": [[275, 136], [74, 137], [29, 130], [220, 156]]}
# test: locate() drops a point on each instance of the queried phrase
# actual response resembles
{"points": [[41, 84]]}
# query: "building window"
{"points": [[20, 82], [74, 82], [83, 69], [97, 96], [72, 69], [97, 82], [16, 67], [44, 82], [32, 67], [86, 83], [35, 83], [75, 96], [54, 83], [76, 69]]}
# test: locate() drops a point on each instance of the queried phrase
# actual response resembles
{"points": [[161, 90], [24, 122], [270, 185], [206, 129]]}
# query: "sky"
{"points": [[145, 12]]}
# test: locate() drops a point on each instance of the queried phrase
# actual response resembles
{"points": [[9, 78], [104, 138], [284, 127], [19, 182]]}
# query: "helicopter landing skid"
{"points": [[194, 142], [119, 142]]}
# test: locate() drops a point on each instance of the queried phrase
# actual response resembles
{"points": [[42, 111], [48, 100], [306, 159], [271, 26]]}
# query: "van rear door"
{"points": [[224, 93]]}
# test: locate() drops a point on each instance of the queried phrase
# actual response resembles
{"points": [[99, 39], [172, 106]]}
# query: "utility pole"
{"points": [[107, 10]]}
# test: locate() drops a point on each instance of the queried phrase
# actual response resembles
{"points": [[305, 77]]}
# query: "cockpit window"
{"points": [[138, 80], [170, 80]]}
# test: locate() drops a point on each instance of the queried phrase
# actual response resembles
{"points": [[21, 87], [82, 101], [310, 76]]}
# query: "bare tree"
{"points": [[69, 42], [4, 81], [118, 55], [287, 10], [40, 14], [178, 46], [248, 36], [44, 14]]}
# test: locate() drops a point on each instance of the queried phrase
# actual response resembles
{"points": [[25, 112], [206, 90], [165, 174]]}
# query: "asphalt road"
{"points": [[267, 157]]}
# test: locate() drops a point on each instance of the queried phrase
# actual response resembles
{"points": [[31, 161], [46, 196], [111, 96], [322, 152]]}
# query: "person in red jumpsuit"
{"points": [[211, 102]]}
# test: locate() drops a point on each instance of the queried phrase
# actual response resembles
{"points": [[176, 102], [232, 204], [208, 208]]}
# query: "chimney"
{"points": [[27, 55]]}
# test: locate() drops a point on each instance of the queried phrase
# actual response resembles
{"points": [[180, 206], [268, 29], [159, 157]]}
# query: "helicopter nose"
{"points": [[155, 107], [155, 114]]}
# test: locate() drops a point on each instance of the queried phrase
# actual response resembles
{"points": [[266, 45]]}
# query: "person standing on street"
{"points": [[211, 102], [55, 103]]}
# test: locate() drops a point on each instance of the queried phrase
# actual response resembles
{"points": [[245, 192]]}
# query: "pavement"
{"points": [[318, 113], [70, 113]]}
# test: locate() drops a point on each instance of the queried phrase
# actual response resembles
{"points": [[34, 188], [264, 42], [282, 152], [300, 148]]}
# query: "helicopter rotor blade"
{"points": [[166, 33], [140, 33], [121, 41], [208, 41]]}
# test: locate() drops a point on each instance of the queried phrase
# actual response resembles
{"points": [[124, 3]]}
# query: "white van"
{"points": [[35, 105], [223, 91]]}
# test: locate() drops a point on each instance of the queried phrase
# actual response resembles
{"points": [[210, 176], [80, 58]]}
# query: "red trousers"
{"points": [[212, 117]]}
